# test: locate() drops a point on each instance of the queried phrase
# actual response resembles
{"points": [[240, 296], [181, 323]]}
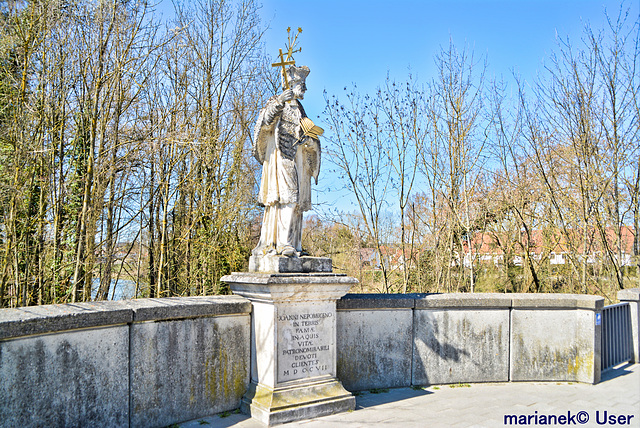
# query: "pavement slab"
{"points": [[478, 405]]}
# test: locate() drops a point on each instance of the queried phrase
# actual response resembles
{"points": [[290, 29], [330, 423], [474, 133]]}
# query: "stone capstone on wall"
{"points": [[33, 320]]}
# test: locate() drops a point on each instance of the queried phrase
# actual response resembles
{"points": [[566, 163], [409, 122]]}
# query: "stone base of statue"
{"points": [[281, 264], [293, 344]]}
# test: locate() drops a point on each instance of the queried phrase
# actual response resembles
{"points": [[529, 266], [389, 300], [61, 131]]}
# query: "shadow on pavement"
{"points": [[615, 372], [366, 399]]}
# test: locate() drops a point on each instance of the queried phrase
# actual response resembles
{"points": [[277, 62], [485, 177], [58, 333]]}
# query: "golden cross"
{"points": [[283, 64]]}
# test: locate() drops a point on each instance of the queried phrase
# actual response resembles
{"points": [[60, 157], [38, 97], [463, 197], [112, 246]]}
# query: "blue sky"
{"points": [[361, 41]]}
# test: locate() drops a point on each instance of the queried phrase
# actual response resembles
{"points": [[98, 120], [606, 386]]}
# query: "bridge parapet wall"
{"points": [[428, 339], [146, 362], [155, 362]]}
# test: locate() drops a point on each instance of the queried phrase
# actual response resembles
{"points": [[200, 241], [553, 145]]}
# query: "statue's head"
{"points": [[297, 80]]}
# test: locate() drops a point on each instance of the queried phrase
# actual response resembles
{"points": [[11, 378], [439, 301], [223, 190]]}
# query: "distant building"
{"points": [[393, 257], [369, 257], [551, 245]]}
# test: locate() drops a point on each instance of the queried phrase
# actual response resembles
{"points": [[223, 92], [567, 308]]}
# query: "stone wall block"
{"points": [[374, 348], [186, 369], [460, 345], [69, 379], [555, 345]]}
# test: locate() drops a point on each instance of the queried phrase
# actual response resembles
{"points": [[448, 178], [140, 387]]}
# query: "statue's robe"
{"points": [[289, 161]]}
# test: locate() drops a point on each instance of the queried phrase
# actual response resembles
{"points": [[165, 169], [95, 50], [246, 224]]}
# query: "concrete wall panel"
{"points": [[374, 348], [69, 379], [554, 345], [460, 345], [185, 369]]}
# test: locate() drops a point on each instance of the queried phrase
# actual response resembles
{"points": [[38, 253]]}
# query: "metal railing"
{"points": [[616, 335]]}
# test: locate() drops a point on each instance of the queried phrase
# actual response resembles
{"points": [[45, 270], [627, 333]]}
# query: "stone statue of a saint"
{"points": [[289, 151]]}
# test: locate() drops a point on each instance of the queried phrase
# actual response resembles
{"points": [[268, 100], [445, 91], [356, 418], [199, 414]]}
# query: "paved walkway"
{"points": [[479, 405]]}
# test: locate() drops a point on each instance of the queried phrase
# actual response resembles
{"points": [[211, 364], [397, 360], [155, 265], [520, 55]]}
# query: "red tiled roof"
{"points": [[550, 241]]}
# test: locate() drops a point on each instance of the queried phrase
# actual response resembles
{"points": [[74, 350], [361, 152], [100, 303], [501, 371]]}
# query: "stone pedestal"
{"points": [[279, 264], [293, 345]]}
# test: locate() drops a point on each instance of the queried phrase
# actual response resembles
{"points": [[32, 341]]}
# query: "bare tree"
{"points": [[514, 192], [616, 54], [458, 139], [358, 144], [405, 127]]}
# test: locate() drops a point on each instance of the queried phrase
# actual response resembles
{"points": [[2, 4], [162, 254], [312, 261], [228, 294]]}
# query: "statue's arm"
{"points": [[275, 105], [272, 111], [265, 124]]}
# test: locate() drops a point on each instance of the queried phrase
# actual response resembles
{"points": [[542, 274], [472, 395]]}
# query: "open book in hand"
{"points": [[310, 129]]}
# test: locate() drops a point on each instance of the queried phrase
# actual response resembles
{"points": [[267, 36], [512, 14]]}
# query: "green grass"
{"points": [[459, 385]]}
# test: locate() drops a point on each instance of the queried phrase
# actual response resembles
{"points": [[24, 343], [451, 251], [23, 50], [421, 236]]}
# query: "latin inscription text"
{"points": [[304, 349]]}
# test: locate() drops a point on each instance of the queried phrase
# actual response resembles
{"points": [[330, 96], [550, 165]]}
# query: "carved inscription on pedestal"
{"points": [[305, 341]]}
